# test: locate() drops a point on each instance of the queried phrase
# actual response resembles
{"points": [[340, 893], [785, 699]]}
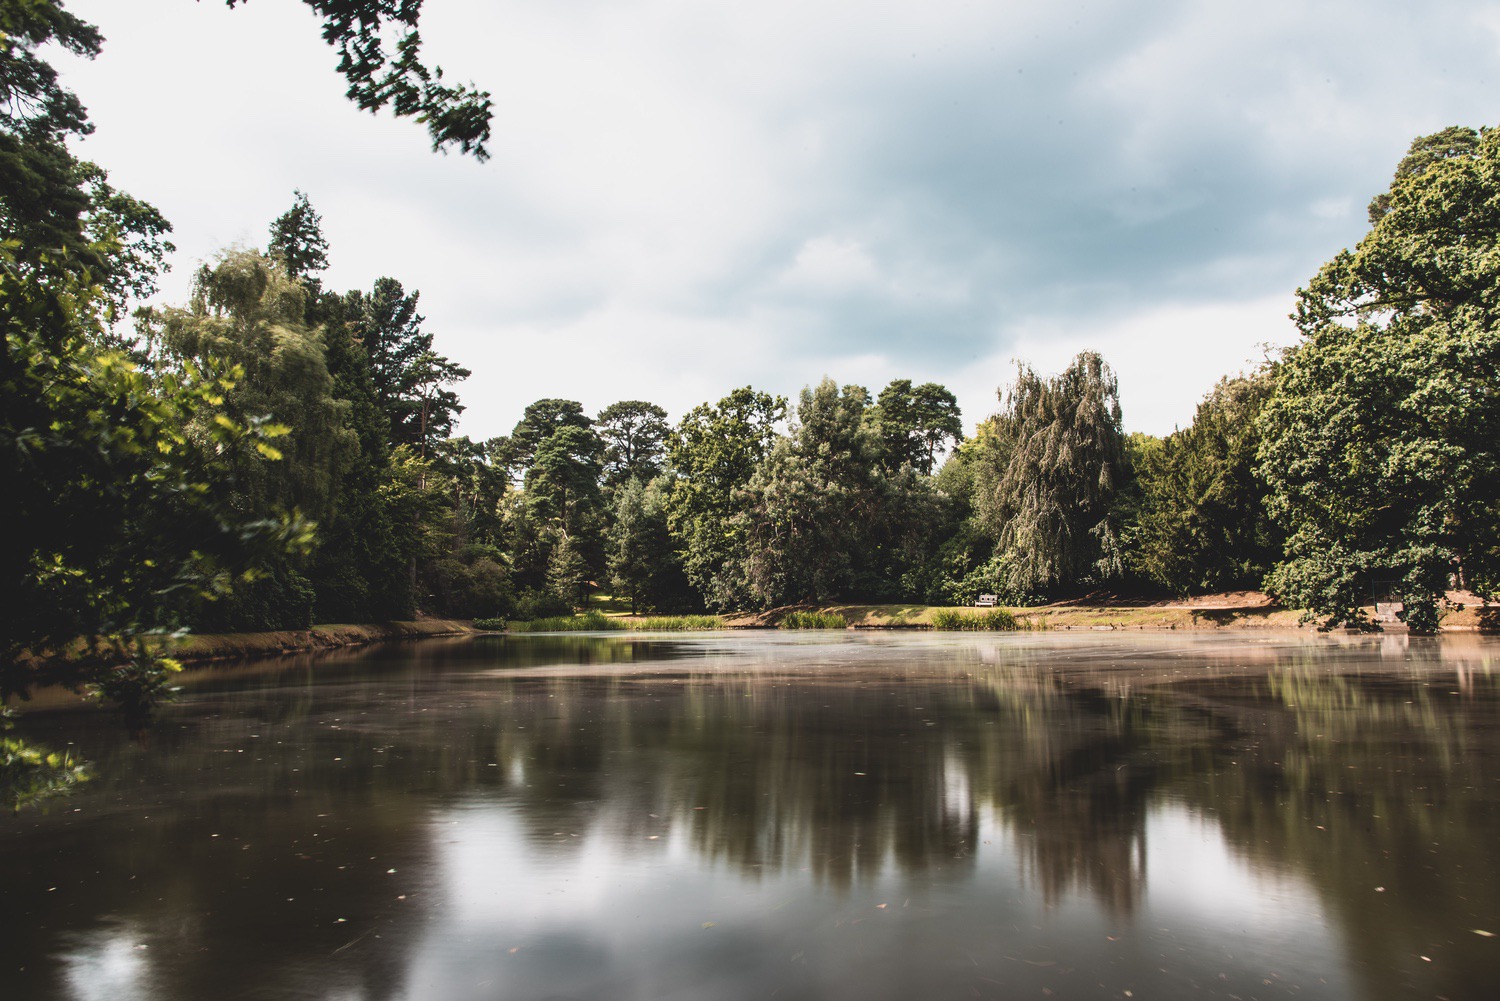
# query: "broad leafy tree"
{"points": [[118, 521], [714, 451], [59, 213], [248, 312], [1378, 445], [917, 423], [133, 495], [1200, 521]]}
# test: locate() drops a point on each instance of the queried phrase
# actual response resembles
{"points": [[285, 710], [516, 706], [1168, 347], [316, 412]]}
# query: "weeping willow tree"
{"points": [[1049, 504]]}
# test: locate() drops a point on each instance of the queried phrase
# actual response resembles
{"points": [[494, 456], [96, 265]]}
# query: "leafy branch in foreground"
{"points": [[379, 50]]}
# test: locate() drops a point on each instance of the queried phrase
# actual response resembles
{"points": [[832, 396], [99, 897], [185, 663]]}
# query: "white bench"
{"points": [[987, 601]]}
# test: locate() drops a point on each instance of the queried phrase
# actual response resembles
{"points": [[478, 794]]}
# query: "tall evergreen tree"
{"points": [[642, 562], [297, 241], [411, 379], [540, 421]]}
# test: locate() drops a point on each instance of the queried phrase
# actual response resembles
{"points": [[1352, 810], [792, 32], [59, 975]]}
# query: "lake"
{"points": [[781, 815]]}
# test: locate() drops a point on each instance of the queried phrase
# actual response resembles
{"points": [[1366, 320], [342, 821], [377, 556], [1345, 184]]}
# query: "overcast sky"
{"points": [[686, 196]]}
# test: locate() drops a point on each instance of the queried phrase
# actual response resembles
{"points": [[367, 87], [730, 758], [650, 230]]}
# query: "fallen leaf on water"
{"points": [[881, 906], [709, 924], [1486, 934]]}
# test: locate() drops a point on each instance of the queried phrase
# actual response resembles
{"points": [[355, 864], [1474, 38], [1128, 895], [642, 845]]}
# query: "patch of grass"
{"points": [[594, 621], [812, 620], [587, 622], [490, 625], [673, 623], [996, 620], [609, 603]]}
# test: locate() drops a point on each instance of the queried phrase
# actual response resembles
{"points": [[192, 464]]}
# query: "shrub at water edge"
{"points": [[598, 621], [813, 620], [989, 620]]}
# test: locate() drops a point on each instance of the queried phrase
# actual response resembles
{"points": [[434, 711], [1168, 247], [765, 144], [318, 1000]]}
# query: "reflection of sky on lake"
{"points": [[607, 911], [792, 816]]}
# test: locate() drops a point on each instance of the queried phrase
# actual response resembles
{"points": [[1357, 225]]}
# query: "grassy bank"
{"points": [[594, 621], [1047, 617]]}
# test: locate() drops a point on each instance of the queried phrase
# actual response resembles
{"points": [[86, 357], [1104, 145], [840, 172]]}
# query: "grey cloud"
{"points": [[1023, 178]]}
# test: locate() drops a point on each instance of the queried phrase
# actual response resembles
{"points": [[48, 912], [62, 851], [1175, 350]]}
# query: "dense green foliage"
{"points": [[174, 479], [1055, 460], [1198, 514], [1379, 446]]}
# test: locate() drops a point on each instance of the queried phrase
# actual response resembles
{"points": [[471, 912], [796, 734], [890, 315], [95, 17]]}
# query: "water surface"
{"points": [[790, 816]]}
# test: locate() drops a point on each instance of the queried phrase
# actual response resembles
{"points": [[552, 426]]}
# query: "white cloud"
{"points": [[831, 265]]}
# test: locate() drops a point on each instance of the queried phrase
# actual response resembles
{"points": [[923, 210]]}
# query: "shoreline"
{"points": [[1248, 612], [201, 648]]}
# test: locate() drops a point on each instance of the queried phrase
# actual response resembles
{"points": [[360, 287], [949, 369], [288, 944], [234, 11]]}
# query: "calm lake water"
{"points": [[798, 816]]}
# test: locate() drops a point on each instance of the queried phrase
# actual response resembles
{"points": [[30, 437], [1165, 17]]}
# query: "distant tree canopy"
{"points": [[916, 423], [715, 450], [635, 439], [1200, 522]]}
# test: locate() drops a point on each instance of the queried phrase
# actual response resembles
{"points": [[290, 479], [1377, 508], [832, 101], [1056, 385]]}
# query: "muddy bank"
{"points": [[201, 647]]}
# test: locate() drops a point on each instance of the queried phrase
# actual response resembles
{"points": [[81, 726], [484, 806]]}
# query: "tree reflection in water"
{"points": [[276, 800]]}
